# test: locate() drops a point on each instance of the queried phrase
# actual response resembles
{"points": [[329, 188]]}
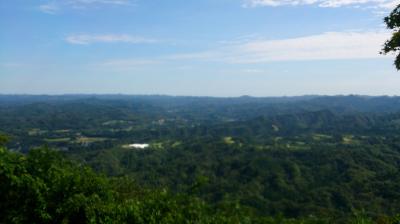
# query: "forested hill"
{"points": [[33, 119], [105, 107], [320, 159], [347, 103]]}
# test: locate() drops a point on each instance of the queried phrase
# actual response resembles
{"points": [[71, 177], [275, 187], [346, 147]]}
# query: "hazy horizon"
{"points": [[195, 96]]}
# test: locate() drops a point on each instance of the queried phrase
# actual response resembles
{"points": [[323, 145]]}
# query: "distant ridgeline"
{"points": [[161, 159]]}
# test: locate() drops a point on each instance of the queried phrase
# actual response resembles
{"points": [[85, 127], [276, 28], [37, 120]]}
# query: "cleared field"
{"points": [[57, 140], [229, 140], [90, 139]]}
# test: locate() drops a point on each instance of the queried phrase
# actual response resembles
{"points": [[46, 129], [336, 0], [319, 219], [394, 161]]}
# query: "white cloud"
{"points": [[126, 64], [390, 4], [107, 38], [252, 71], [129, 62], [49, 8], [387, 4], [115, 2], [325, 46], [333, 45], [88, 3], [11, 64], [197, 55], [54, 6]]}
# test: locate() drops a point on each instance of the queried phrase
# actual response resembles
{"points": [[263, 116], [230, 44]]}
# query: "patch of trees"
{"points": [[393, 44], [44, 187]]}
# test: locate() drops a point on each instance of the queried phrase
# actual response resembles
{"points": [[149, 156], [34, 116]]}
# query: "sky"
{"points": [[196, 47]]}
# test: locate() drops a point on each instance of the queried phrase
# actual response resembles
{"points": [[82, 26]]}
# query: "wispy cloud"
{"points": [[54, 6], [107, 38], [129, 62], [11, 65], [253, 71], [115, 2], [332, 45], [126, 64], [387, 4], [205, 55], [49, 8], [325, 46]]}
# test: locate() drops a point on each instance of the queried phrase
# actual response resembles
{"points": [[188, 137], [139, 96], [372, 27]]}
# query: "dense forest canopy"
{"points": [[313, 159]]}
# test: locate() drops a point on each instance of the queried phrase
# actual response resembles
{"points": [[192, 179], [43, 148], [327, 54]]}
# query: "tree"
{"points": [[393, 44], [3, 140]]}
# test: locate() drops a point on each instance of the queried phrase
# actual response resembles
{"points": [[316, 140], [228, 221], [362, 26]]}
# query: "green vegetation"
{"points": [[211, 160], [393, 45], [3, 140], [43, 187]]}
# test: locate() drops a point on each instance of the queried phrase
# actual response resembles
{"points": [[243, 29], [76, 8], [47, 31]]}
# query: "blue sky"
{"points": [[202, 48]]}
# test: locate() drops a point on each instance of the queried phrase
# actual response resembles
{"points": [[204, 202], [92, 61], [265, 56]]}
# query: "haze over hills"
{"points": [[86, 136], [327, 157]]}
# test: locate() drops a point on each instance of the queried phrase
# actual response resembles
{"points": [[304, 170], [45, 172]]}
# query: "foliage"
{"points": [[393, 45], [3, 140], [211, 160], [43, 187]]}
